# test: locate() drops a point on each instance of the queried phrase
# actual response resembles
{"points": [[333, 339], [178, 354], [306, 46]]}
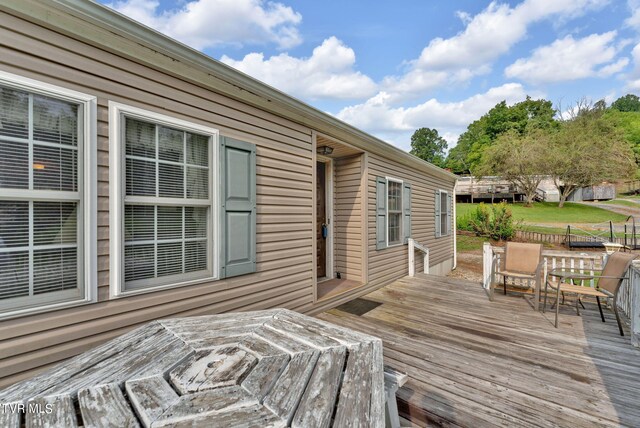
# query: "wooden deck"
{"points": [[477, 363]]}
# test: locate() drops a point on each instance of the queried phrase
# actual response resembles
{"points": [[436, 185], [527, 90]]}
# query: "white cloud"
{"points": [[327, 73], [570, 59], [395, 124], [633, 82], [634, 20], [208, 23], [487, 36]]}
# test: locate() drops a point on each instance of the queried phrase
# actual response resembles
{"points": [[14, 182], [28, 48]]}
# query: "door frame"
{"points": [[328, 204]]}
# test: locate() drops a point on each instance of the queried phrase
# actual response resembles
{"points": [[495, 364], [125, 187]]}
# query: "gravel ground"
{"points": [[469, 266]]}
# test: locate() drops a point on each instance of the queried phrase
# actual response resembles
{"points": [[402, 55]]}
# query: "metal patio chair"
{"points": [[522, 261], [608, 285]]}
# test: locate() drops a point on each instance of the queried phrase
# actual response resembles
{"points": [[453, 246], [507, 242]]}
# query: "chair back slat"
{"points": [[522, 257]]}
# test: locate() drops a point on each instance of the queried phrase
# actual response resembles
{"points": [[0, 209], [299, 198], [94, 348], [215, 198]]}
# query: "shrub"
{"points": [[464, 223], [495, 223]]}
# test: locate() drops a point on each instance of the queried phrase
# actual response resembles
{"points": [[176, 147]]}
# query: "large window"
{"points": [[167, 201], [394, 212], [43, 195]]}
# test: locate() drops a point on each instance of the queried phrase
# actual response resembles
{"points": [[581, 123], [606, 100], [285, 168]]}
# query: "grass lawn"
{"points": [[470, 243], [548, 212]]}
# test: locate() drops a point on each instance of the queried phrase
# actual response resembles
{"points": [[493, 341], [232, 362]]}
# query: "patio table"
{"points": [[266, 368]]}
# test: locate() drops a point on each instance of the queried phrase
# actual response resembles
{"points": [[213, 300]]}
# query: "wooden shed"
{"points": [[141, 179]]}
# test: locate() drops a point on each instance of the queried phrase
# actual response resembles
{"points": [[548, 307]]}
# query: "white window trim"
{"points": [[116, 196], [89, 243], [448, 213], [395, 180]]}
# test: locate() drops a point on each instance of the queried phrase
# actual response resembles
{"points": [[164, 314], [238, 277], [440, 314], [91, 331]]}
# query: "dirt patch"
{"points": [[469, 266]]}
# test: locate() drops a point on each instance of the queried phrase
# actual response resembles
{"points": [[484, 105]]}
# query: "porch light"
{"points": [[324, 150]]}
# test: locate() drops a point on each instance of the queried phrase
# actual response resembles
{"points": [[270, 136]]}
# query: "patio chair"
{"points": [[608, 285], [522, 261]]}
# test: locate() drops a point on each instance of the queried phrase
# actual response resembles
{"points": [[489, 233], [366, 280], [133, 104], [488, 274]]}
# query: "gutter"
{"points": [[455, 228], [109, 30]]}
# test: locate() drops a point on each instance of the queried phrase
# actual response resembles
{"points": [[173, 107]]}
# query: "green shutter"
{"points": [[449, 212], [381, 213], [437, 205], [406, 212], [238, 207]]}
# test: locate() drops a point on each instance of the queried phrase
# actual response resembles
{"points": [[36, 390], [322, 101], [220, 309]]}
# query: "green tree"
{"points": [[482, 133], [588, 149], [521, 158], [428, 145], [629, 102], [629, 123]]}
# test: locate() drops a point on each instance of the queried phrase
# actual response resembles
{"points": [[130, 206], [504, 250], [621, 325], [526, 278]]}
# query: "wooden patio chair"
{"points": [[522, 261], [608, 285]]}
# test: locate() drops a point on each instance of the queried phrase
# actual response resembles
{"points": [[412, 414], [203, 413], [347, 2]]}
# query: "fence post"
{"points": [[487, 258], [412, 266]]}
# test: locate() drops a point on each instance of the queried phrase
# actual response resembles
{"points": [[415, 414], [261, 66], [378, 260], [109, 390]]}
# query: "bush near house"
{"points": [[493, 221]]}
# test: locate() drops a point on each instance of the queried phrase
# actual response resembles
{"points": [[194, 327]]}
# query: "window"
{"points": [[394, 212], [45, 196], [443, 213], [166, 201]]}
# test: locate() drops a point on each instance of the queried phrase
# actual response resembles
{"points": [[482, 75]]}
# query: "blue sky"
{"points": [[390, 67]]}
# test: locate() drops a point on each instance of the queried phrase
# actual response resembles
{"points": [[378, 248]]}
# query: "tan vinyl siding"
{"points": [[392, 263], [285, 212], [348, 217], [284, 197]]}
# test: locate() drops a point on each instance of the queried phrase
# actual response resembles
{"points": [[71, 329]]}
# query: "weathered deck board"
{"points": [[472, 362], [105, 406]]}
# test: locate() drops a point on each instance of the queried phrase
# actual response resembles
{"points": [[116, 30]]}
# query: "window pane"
{"points": [[14, 165], [169, 259], [195, 257], [140, 138], [55, 121], [55, 223], [394, 228], [139, 222], [139, 262], [197, 149], [55, 168], [55, 270], [395, 196], [14, 274], [196, 222], [14, 113], [170, 223], [171, 229], [170, 144], [14, 224], [53, 148], [444, 211], [140, 178], [197, 183], [171, 181]]}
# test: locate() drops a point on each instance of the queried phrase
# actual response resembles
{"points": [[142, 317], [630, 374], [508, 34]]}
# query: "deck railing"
{"points": [[628, 296], [413, 246]]}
